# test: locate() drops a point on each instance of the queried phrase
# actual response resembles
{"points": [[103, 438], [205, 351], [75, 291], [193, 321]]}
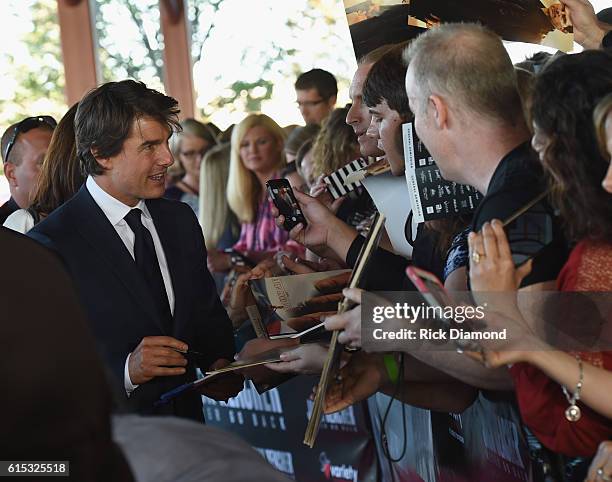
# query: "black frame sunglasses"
{"points": [[24, 126]]}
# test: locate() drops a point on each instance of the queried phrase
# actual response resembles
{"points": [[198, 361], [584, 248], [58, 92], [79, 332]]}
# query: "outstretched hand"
{"points": [[360, 378], [494, 279]]}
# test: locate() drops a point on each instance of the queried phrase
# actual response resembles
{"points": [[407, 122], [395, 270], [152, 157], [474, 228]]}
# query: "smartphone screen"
{"points": [[284, 199]]}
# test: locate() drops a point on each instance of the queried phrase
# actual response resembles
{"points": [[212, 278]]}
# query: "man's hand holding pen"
{"points": [[157, 356]]}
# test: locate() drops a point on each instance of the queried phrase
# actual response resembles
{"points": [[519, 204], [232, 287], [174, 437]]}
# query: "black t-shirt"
{"points": [[357, 207], [387, 271], [519, 179]]}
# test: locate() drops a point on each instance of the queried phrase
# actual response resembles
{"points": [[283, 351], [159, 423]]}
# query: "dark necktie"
{"points": [[148, 265]]}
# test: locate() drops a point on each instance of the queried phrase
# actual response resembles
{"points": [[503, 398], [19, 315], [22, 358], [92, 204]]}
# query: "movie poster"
{"points": [[274, 423], [377, 22]]}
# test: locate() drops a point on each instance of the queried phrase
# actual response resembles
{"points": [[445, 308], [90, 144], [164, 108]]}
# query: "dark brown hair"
{"points": [[386, 81], [319, 79], [564, 99], [105, 116], [61, 175]]}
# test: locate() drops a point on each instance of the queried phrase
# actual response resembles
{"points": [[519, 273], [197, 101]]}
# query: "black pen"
{"points": [[188, 352]]}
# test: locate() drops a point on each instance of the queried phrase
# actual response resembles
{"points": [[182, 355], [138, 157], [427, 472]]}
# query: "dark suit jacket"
{"points": [[118, 303]]}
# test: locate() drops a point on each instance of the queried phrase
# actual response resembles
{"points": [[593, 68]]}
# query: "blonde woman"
{"points": [[189, 147], [256, 157], [219, 223]]}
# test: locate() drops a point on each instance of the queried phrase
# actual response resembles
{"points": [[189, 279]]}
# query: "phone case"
{"points": [[282, 196]]}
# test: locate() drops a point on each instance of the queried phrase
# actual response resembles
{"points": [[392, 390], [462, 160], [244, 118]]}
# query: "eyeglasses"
{"points": [[24, 126], [194, 154], [309, 103]]}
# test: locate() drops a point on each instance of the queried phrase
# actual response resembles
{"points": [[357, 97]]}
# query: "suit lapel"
{"points": [[95, 227], [168, 232]]}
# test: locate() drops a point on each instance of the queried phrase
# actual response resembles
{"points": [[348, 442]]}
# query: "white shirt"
{"points": [[20, 221], [115, 211]]}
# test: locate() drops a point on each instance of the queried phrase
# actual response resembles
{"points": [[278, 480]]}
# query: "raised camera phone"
{"points": [[284, 199]]}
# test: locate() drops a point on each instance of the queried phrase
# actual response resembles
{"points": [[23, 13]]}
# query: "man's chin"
{"points": [[370, 151], [154, 193]]}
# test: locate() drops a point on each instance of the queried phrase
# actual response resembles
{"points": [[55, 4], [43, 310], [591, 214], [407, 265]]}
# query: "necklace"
{"points": [[573, 412]]}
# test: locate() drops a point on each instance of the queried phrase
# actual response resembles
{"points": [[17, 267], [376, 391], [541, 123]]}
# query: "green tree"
{"points": [[140, 53], [277, 59], [37, 76], [134, 51]]}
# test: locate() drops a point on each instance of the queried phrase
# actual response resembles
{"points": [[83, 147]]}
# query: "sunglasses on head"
{"points": [[24, 126]]}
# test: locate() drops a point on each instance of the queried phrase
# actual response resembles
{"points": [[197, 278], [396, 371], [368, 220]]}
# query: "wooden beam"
{"points": [[178, 71], [77, 48]]}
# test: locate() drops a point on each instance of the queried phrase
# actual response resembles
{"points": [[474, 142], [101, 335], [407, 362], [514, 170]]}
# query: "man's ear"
{"points": [[439, 109], [9, 172], [105, 162]]}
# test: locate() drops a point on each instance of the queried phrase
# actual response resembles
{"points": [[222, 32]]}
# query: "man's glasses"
{"points": [[309, 103], [24, 126]]}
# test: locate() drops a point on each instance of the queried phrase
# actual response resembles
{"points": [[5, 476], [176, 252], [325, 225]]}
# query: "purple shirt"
{"points": [[265, 235]]}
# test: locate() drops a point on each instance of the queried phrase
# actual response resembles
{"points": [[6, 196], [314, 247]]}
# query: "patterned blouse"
{"points": [[457, 255], [264, 235]]}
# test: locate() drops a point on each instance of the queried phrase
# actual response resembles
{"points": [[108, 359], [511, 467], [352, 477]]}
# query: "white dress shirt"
{"points": [[115, 211], [20, 221]]}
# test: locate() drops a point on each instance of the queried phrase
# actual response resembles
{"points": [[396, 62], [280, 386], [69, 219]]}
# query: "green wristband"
{"points": [[392, 368]]}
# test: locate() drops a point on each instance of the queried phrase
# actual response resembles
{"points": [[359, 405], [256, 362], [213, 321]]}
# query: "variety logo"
{"points": [[337, 472]]}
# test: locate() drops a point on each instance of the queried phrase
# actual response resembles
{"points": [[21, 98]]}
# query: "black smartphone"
{"points": [[283, 198], [530, 229], [239, 259]]}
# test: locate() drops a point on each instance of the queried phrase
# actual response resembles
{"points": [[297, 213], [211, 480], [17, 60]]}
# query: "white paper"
{"points": [[391, 196]]}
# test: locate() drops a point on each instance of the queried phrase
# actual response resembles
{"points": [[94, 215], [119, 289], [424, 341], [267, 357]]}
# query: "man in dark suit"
{"points": [[139, 261]]}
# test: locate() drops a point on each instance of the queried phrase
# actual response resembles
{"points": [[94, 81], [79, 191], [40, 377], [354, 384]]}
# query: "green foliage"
{"points": [[137, 53], [38, 76], [278, 59]]}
